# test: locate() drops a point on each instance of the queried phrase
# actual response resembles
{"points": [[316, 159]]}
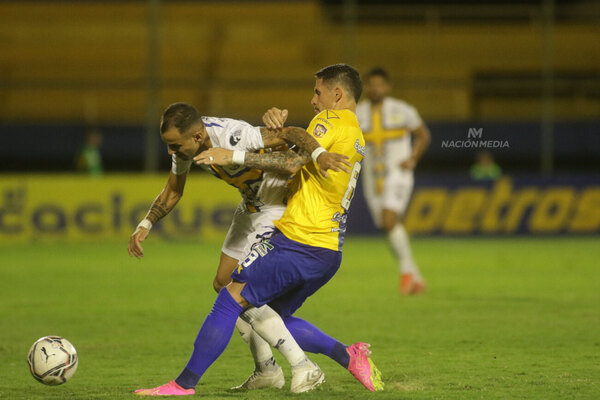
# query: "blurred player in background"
{"points": [[89, 159], [302, 255], [391, 157], [485, 168]]}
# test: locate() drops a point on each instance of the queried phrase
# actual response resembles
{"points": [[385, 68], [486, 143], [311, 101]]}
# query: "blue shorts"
{"points": [[284, 273]]}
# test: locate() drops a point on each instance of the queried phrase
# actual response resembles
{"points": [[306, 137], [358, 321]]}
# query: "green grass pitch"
{"points": [[502, 319]]}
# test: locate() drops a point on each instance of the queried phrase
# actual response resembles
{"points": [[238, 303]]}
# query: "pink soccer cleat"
{"points": [[362, 368], [168, 389]]}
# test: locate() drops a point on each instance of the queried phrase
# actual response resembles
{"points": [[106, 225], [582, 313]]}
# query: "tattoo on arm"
{"points": [[301, 138], [285, 162], [162, 206], [157, 211], [271, 137], [290, 134]]}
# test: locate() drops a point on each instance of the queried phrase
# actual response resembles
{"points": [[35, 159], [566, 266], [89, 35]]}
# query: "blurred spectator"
{"points": [[90, 159], [485, 168]]}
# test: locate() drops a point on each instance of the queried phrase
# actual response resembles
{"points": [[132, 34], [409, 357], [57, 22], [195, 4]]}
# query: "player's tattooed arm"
{"points": [[168, 198], [281, 159], [290, 134], [285, 162], [158, 210], [274, 138], [162, 205], [274, 131], [307, 143]]}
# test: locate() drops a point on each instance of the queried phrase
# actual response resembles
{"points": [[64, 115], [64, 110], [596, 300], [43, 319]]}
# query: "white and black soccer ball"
{"points": [[52, 360]]}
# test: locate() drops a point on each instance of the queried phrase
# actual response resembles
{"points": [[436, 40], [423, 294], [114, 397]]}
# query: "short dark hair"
{"points": [[180, 115], [378, 71], [346, 75]]}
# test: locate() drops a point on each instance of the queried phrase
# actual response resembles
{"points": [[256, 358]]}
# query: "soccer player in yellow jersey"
{"points": [[316, 213], [389, 125], [304, 253]]}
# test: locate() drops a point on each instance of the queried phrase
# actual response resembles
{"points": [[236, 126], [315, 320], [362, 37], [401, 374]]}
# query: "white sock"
{"points": [[260, 349], [269, 325], [400, 244]]}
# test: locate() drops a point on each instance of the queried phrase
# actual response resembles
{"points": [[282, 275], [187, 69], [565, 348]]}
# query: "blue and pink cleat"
{"points": [[362, 367], [168, 389]]}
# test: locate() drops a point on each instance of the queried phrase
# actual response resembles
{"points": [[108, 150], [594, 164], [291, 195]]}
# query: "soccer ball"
{"points": [[52, 360]]}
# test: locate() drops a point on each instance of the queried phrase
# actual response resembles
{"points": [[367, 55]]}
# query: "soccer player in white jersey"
{"points": [[388, 125]]}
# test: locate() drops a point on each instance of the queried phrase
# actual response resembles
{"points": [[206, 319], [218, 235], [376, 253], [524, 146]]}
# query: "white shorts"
{"points": [[397, 190], [248, 228]]}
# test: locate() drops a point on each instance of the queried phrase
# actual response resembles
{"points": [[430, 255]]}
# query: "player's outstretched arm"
{"points": [[284, 162], [422, 138], [162, 205]]}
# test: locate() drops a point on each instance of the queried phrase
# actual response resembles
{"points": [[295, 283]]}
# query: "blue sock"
{"points": [[313, 340], [212, 339]]}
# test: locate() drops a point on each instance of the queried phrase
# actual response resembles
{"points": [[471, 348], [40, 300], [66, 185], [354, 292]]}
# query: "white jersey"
{"points": [[388, 143], [258, 188], [388, 136]]}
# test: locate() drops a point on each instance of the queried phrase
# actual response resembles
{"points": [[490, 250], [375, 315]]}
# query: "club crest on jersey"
{"points": [[320, 130], [235, 137]]}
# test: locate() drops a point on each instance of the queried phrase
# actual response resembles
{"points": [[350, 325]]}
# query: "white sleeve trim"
{"points": [[252, 139]]}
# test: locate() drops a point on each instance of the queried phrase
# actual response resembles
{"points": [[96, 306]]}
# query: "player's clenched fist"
{"points": [[275, 118]]}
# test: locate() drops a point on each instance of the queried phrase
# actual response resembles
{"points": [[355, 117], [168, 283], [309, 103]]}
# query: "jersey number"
{"points": [[351, 186]]}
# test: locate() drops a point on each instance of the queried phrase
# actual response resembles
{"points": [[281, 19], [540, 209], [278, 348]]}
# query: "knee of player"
{"points": [[218, 284], [388, 225], [235, 290], [250, 315]]}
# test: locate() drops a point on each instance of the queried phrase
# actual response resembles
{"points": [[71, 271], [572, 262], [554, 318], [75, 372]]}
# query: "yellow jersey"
{"points": [[318, 207]]}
